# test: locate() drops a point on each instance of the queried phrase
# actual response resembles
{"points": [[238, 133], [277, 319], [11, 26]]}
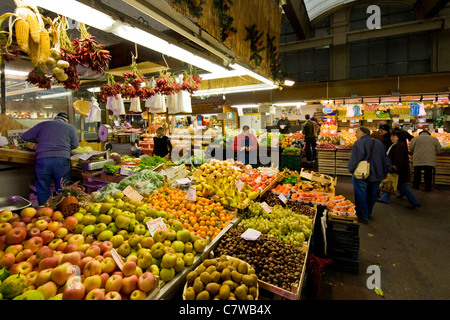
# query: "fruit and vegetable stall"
{"points": [[228, 235]]}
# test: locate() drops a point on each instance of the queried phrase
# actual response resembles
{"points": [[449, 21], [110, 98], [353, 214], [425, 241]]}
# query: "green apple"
{"points": [[114, 212], [124, 249], [152, 213], [105, 235], [117, 240], [157, 250], [118, 195], [159, 236], [147, 242], [134, 239], [188, 259], [154, 268], [166, 274], [133, 224], [144, 259], [99, 228], [183, 235], [178, 246], [188, 247], [122, 221], [177, 225], [88, 219], [112, 226], [179, 265], [124, 234], [171, 234], [199, 245], [104, 218], [108, 200], [140, 215], [194, 236], [106, 207], [78, 228], [140, 229], [89, 229], [169, 260], [78, 215]]}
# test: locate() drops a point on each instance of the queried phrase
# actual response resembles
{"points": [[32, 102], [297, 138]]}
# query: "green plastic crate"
{"points": [[292, 162]]}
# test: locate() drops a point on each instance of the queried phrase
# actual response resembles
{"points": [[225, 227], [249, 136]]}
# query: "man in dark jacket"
{"points": [[56, 138], [385, 133], [309, 130], [283, 124], [366, 190]]}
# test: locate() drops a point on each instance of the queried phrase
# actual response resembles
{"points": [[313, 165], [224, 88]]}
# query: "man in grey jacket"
{"points": [[56, 138], [424, 148]]}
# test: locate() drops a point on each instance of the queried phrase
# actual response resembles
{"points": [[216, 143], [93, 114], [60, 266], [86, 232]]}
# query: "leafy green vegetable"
{"points": [[291, 150], [150, 163], [111, 168], [290, 180]]}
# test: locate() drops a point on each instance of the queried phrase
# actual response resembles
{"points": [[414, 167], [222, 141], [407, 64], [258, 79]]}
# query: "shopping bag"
{"points": [[389, 185]]}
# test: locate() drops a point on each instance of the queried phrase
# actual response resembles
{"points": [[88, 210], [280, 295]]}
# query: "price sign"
{"points": [[266, 207], [369, 120], [236, 168], [282, 198], [407, 120], [440, 130], [344, 120], [258, 179], [191, 194], [132, 194], [239, 184], [250, 234], [155, 225], [183, 181], [117, 258]]}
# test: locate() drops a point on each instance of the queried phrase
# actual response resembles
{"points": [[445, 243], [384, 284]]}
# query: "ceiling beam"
{"points": [[429, 8], [295, 11]]}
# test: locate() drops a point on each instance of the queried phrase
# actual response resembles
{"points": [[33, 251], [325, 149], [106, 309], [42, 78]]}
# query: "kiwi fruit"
{"points": [[205, 277], [236, 276], [226, 274], [198, 286], [190, 277], [224, 292], [215, 276], [190, 294], [204, 295], [241, 292], [242, 267], [213, 288], [211, 269]]}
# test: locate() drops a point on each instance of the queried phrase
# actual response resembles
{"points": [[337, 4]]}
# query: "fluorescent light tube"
{"points": [[256, 87]]}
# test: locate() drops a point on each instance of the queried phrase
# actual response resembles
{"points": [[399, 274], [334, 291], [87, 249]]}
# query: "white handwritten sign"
{"points": [[251, 234], [155, 225], [239, 184], [117, 258], [132, 194], [191, 194], [266, 207], [282, 198]]}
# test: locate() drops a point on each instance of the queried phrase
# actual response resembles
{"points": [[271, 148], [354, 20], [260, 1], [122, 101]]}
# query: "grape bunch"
{"points": [[283, 224]]}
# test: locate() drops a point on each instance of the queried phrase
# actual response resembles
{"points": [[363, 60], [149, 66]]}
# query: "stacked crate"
{"points": [[343, 245]]}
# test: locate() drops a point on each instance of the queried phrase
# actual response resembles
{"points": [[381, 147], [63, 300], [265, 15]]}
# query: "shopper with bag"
{"points": [[398, 153], [369, 165], [310, 130], [162, 145]]}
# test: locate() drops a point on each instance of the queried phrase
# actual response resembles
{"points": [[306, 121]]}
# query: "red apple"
{"points": [[32, 259], [5, 227], [113, 295], [7, 260], [70, 223], [47, 236], [107, 254], [52, 226], [16, 235], [92, 282], [72, 257], [43, 252], [70, 247], [93, 251], [24, 255], [18, 224], [61, 246], [45, 212], [106, 246], [31, 277], [84, 261], [61, 273], [48, 289], [129, 268], [55, 243], [29, 212], [132, 257], [57, 216], [43, 277], [105, 276], [41, 224], [114, 283], [3, 244], [58, 255], [146, 281], [108, 265], [129, 284], [23, 267], [34, 243], [61, 232], [47, 263], [75, 292], [33, 232], [92, 268], [83, 247], [95, 294], [14, 249], [99, 258], [68, 236]]}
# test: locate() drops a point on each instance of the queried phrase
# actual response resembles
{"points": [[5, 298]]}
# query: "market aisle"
{"points": [[410, 246]]}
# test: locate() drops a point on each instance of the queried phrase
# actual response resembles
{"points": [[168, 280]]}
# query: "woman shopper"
{"points": [[424, 148], [398, 153], [366, 190], [246, 147], [161, 144]]}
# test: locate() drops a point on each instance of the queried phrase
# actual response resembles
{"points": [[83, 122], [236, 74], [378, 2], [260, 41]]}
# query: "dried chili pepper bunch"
{"points": [[132, 86], [191, 83], [38, 78], [109, 90], [166, 84], [88, 53]]}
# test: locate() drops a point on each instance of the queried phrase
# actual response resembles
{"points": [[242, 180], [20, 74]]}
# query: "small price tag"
{"points": [[117, 258], [406, 120], [440, 130], [369, 120], [250, 234], [183, 181], [344, 120], [126, 171], [236, 168], [132, 194], [156, 224], [258, 179], [191, 194], [239, 184], [266, 207], [282, 198]]}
